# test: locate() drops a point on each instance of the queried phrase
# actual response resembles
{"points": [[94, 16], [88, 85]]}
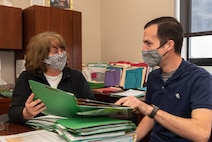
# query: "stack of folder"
{"points": [[87, 129], [96, 129], [82, 119]]}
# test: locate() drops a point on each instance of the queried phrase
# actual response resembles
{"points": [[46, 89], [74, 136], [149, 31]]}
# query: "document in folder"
{"points": [[62, 103]]}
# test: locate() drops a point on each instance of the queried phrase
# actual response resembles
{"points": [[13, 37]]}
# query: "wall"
{"points": [[122, 23], [112, 30], [91, 29]]}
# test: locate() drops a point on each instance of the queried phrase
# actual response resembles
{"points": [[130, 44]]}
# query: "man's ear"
{"points": [[169, 45]]}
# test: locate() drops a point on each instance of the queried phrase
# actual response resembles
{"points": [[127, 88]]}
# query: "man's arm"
{"points": [[144, 127], [197, 128]]}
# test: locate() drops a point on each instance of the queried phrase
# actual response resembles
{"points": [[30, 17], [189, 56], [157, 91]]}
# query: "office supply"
{"points": [[131, 78], [65, 104], [94, 125], [92, 138], [145, 71], [46, 122], [123, 113], [94, 72], [103, 129], [121, 64], [85, 122], [108, 90], [97, 103], [130, 92], [58, 102], [38, 136], [93, 128], [94, 84], [104, 65], [112, 76]]}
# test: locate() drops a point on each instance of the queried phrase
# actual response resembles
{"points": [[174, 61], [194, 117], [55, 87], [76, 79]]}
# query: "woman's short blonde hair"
{"points": [[38, 49]]}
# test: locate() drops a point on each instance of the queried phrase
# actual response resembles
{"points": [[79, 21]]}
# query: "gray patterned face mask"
{"points": [[56, 61], [151, 57]]}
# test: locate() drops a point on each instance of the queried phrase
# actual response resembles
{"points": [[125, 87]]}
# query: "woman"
{"points": [[46, 62]]}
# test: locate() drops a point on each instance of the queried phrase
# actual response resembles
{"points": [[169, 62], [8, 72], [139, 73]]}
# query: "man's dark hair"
{"points": [[169, 29]]}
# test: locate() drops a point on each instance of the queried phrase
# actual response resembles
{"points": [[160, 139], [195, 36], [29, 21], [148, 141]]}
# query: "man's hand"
{"points": [[137, 105]]}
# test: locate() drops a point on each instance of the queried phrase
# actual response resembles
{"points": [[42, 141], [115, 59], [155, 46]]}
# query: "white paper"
{"points": [[20, 67], [33, 136], [130, 92]]}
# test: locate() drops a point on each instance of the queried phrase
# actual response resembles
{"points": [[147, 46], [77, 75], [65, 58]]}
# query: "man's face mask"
{"points": [[56, 61], [152, 57]]}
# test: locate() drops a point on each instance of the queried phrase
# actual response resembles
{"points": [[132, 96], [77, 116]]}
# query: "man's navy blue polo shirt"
{"points": [[190, 87]]}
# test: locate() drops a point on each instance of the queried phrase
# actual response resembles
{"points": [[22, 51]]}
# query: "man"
{"points": [[179, 94]]}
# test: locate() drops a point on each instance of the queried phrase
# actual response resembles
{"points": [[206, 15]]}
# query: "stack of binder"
{"points": [[133, 74]]}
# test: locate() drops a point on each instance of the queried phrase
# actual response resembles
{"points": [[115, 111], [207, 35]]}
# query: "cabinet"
{"points": [[10, 27], [37, 19], [4, 104]]}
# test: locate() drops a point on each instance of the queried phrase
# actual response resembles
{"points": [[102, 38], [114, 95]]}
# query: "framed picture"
{"points": [[60, 3]]}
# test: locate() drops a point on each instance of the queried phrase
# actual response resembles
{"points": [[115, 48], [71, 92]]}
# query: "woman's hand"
{"points": [[32, 108]]}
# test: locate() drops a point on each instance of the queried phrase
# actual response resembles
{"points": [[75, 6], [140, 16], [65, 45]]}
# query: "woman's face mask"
{"points": [[56, 61]]}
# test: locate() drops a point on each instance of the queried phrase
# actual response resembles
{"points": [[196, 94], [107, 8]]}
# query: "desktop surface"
{"points": [[13, 128]]}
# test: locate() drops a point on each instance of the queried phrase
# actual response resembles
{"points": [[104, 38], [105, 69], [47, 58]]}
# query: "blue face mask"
{"points": [[57, 61]]}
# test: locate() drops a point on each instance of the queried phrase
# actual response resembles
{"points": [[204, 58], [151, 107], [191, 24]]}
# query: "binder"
{"points": [[145, 71], [112, 77], [131, 78]]}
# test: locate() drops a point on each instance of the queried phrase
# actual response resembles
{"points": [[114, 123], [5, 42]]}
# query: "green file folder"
{"points": [[88, 122], [65, 104], [58, 102]]}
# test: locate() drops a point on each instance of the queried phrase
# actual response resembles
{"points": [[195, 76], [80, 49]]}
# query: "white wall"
{"points": [[122, 23], [91, 29], [112, 30]]}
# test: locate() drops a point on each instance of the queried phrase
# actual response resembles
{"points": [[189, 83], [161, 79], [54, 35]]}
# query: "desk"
{"points": [[4, 104], [13, 128]]}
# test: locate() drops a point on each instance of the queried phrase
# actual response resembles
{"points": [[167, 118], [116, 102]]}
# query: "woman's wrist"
{"points": [[26, 114]]}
